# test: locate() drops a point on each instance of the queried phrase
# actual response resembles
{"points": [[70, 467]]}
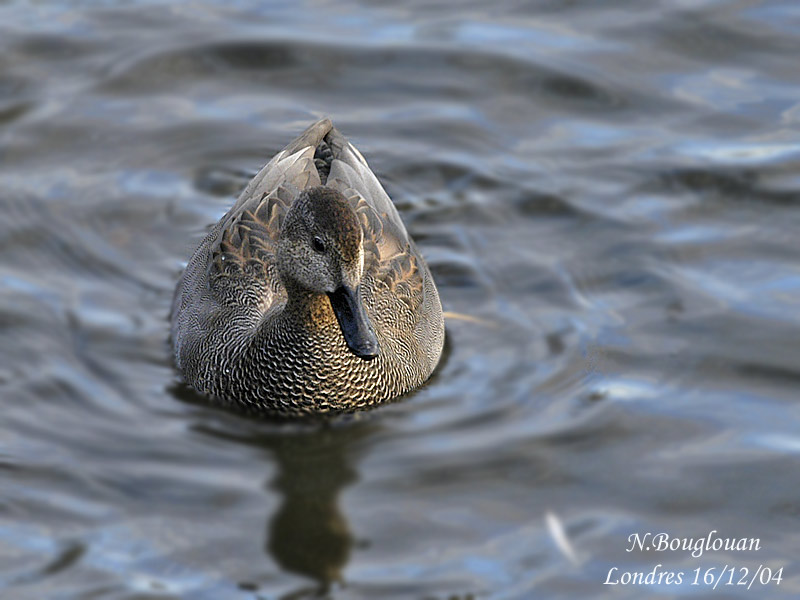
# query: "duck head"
{"points": [[320, 251]]}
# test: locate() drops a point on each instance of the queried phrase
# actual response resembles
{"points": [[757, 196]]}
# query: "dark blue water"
{"points": [[607, 194]]}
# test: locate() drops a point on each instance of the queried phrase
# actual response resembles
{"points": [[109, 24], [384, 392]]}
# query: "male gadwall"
{"points": [[308, 296]]}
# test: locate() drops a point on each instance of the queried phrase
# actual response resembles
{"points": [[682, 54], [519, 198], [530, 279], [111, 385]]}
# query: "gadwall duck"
{"points": [[308, 296]]}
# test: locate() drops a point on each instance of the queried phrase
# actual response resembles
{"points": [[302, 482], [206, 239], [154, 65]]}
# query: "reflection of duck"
{"points": [[308, 295], [308, 534]]}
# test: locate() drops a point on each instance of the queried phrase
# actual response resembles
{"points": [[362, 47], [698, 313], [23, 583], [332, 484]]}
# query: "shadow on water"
{"points": [[308, 534]]}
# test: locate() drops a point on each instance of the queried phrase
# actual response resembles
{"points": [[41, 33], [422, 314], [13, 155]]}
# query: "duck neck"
{"points": [[309, 310]]}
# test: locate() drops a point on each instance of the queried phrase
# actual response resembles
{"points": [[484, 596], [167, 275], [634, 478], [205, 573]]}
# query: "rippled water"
{"points": [[608, 190]]}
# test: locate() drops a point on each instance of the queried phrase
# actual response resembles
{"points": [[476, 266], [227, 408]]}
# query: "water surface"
{"points": [[607, 191]]}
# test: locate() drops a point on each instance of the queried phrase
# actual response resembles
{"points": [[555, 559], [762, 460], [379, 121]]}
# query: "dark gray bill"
{"points": [[354, 322]]}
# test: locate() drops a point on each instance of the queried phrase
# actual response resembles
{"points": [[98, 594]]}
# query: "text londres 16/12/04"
{"points": [[712, 576]]}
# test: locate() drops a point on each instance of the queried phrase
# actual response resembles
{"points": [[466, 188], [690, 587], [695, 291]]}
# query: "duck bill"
{"points": [[354, 322]]}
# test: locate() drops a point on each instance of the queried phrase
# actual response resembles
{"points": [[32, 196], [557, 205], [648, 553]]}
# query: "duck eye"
{"points": [[318, 244]]}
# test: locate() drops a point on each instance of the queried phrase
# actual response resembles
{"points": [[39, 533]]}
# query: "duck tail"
{"points": [[310, 137], [341, 149]]}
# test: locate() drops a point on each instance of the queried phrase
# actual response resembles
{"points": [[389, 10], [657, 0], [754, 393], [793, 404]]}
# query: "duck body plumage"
{"points": [[308, 296]]}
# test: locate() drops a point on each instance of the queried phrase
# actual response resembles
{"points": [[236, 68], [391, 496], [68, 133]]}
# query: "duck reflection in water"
{"points": [[309, 534]]}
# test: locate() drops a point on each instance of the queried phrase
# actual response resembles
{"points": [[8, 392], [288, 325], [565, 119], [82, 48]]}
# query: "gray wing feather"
{"points": [[350, 170], [291, 167]]}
